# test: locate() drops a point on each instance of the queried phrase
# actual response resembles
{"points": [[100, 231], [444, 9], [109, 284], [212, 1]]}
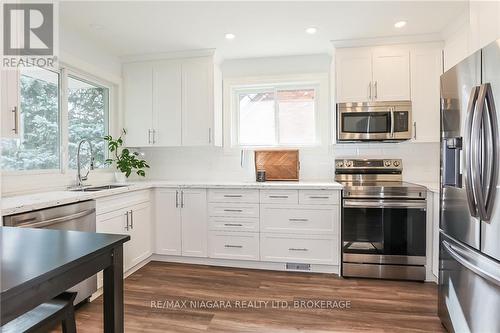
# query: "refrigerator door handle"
{"points": [[488, 180], [471, 200], [460, 256]]}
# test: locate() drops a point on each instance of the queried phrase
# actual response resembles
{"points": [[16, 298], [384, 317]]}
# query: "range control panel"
{"points": [[368, 164]]}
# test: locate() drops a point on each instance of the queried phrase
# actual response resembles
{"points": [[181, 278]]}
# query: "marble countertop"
{"points": [[431, 186], [29, 202]]}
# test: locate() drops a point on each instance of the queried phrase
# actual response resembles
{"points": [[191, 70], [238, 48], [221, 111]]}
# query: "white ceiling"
{"points": [[261, 28]]}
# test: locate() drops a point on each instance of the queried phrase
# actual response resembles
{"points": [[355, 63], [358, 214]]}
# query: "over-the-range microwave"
{"points": [[374, 121]]}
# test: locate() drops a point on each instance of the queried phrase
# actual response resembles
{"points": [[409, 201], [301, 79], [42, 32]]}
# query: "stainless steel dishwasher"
{"points": [[78, 216]]}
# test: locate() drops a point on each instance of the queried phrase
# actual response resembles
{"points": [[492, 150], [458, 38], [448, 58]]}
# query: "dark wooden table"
{"points": [[39, 264]]}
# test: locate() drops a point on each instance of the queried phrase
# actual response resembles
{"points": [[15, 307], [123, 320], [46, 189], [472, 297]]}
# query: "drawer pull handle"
{"points": [[298, 220], [232, 195], [316, 197], [233, 246], [278, 196], [297, 249], [233, 210], [233, 224]]}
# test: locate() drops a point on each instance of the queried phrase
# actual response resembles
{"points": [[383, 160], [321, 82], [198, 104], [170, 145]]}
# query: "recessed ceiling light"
{"points": [[311, 30], [399, 24], [230, 36]]}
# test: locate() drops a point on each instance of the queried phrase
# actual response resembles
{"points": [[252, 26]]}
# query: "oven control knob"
{"points": [[348, 164], [340, 164], [387, 164], [396, 163]]}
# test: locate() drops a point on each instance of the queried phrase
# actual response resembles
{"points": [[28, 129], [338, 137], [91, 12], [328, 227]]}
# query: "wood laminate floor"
{"points": [[375, 305]]}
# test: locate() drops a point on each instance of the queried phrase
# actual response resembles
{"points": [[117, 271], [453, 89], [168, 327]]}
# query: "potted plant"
{"points": [[126, 161]]}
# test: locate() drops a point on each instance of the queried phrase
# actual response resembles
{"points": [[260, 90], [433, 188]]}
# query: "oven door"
{"points": [[384, 231]]}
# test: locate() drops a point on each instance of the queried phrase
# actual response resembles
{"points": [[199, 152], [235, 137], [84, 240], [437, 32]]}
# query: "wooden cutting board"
{"points": [[278, 164]]}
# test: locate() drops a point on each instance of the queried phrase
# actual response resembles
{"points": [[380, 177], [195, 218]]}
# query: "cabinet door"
{"points": [[167, 103], [197, 102], [168, 222], [391, 74], [426, 69], [138, 103], [115, 222], [9, 98], [354, 75], [140, 227], [194, 222]]}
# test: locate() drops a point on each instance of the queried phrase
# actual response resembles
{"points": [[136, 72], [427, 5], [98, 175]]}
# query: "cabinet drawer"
{"points": [[120, 201], [300, 219], [319, 197], [279, 196], [299, 249], [233, 245], [233, 210], [233, 195], [233, 224]]}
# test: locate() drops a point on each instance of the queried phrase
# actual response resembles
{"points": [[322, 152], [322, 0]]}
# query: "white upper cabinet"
{"points": [[391, 74], [9, 99], [426, 69], [372, 74], [354, 75], [173, 102], [138, 103], [167, 107], [197, 102]]}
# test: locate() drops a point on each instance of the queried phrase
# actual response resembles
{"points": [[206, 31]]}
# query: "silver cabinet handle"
{"points": [[370, 91], [471, 200], [154, 135], [298, 220], [209, 135], [15, 129], [127, 227], [414, 130], [149, 136], [232, 196], [278, 196], [233, 210], [318, 197], [233, 246], [176, 199], [182, 199], [376, 90], [131, 219], [233, 224], [297, 249]]}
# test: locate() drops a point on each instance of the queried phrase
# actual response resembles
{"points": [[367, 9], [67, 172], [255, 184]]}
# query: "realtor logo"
{"points": [[28, 29]]}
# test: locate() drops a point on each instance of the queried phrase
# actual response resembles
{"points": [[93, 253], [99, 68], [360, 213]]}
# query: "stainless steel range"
{"points": [[383, 220]]}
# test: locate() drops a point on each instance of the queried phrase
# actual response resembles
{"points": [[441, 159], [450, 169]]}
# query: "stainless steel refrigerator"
{"points": [[469, 257]]}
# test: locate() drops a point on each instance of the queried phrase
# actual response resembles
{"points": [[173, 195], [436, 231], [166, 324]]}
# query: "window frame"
{"points": [[274, 87], [63, 73]]}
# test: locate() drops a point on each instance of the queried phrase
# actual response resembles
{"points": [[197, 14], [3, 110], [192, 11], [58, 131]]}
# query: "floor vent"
{"points": [[298, 267]]}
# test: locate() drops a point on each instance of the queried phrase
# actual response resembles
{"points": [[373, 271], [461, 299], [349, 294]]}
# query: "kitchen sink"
{"points": [[96, 188]]}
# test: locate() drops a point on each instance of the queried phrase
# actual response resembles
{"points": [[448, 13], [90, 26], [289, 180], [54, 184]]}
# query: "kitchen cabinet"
{"points": [[10, 106], [426, 69], [181, 222], [173, 102], [484, 20], [372, 74]]}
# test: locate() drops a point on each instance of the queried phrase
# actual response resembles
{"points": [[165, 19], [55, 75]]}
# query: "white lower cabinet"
{"points": [[181, 222], [312, 249], [233, 245]]}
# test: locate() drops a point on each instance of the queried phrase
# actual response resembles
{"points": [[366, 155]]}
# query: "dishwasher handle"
{"points": [[28, 224]]}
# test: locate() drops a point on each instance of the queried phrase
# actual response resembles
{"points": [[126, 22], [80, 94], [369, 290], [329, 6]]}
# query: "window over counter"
{"points": [[276, 115], [52, 122], [38, 144]]}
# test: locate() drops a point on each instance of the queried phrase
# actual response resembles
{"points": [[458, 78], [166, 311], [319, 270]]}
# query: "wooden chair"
{"points": [[46, 316]]}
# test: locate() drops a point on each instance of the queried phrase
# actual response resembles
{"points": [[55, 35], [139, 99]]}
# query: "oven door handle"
{"points": [[419, 204]]}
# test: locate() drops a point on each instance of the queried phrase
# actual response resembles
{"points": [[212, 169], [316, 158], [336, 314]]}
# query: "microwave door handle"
{"points": [[471, 200], [392, 121]]}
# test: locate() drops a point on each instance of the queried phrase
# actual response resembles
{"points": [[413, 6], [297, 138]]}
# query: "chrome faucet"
{"points": [[81, 178]]}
